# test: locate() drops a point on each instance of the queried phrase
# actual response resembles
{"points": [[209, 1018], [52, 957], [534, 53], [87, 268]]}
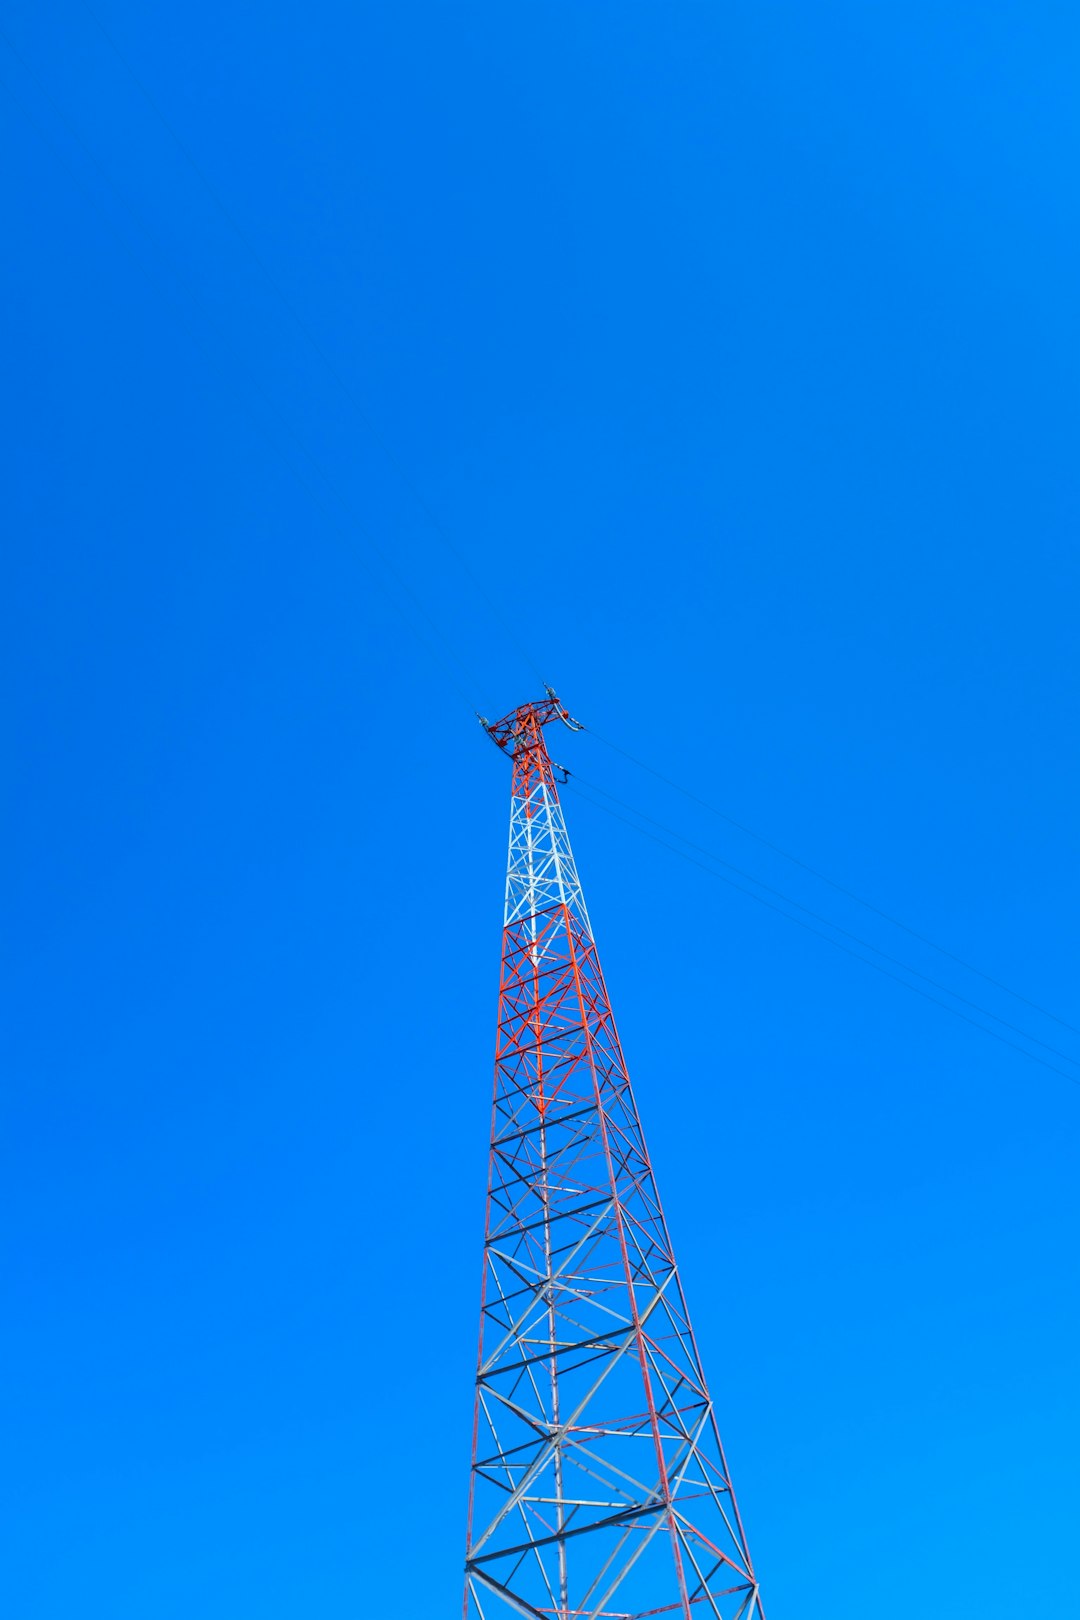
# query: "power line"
{"points": [[832, 883], [826, 921], [407, 590], [877, 966], [318, 348]]}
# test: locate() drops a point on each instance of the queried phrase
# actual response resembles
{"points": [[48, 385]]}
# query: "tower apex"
{"points": [[522, 726]]}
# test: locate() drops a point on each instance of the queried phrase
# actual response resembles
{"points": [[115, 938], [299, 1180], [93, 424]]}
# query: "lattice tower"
{"points": [[599, 1486]]}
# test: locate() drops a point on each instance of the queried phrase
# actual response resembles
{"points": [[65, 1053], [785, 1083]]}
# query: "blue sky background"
{"points": [[736, 348]]}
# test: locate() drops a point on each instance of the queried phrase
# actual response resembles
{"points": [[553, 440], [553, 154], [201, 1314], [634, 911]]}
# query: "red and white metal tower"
{"points": [[599, 1486]]}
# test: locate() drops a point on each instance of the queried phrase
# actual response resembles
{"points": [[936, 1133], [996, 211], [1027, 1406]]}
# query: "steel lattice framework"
{"points": [[599, 1486]]}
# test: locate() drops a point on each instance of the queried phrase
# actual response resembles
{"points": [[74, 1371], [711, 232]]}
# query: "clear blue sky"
{"points": [[736, 347]]}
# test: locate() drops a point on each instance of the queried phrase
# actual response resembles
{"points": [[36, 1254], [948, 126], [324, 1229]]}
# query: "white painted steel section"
{"points": [[540, 868]]}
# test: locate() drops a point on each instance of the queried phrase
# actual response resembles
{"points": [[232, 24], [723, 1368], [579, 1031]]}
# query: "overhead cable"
{"points": [[576, 784], [823, 877]]}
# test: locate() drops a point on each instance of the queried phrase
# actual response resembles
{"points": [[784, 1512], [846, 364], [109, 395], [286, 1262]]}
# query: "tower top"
{"points": [[522, 726]]}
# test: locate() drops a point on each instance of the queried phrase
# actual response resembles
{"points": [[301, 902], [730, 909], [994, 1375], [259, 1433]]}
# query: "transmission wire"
{"points": [[832, 883], [462, 561], [878, 968], [825, 921]]}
